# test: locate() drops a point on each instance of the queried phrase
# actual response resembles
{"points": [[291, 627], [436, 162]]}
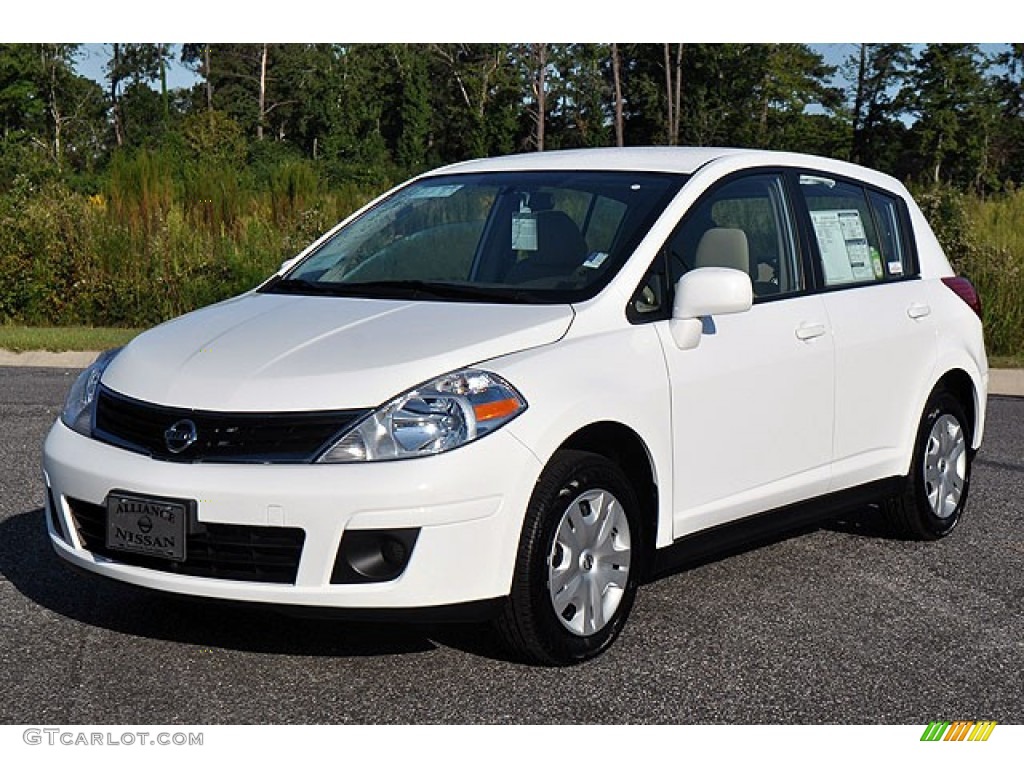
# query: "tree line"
{"points": [[934, 114], [126, 202]]}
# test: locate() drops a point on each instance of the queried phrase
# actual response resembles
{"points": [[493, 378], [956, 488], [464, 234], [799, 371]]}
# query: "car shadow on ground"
{"points": [[29, 564], [868, 521]]}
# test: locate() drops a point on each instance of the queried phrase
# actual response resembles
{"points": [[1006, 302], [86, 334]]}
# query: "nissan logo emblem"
{"points": [[180, 435]]}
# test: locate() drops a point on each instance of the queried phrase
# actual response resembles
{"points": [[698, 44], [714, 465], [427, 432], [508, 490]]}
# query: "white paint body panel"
{"points": [[264, 352], [752, 418]]}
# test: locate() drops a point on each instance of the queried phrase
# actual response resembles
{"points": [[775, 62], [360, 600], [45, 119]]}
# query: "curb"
{"points": [[1002, 381], [46, 359], [1006, 381]]}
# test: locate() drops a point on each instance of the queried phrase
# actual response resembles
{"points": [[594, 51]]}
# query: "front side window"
{"points": [[745, 224], [527, 236]]}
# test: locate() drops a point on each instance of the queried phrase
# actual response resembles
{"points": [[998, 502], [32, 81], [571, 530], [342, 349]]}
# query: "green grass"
{"points": [[20, 338], [1006, 361]]}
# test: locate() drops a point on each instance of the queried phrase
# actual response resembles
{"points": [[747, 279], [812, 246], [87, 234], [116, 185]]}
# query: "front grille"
{"points": [[290, 437], [214, 550]]}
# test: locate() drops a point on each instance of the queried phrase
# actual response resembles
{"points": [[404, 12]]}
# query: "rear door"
{"points": [[881, 318]]}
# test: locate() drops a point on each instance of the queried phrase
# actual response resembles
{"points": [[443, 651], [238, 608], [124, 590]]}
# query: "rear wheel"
{"points": [[577, 568], [935, 493]]}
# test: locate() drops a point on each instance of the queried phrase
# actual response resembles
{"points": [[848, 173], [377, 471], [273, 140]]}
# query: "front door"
{"points": [[752, 404]]}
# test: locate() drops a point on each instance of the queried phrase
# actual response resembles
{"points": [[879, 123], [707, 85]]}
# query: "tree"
{"points": [[478, 100], [578, 95], [954, 104], [130, 69], [1008, 90], [414, 113], [878, 73]]}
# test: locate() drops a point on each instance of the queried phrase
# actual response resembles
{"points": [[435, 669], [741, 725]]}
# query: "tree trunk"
{"points": [[206, 75], [209, 85], [263, 93], [163, 83], [542, 63], [617, 82], [115, 103], [58, 120], [670, 128], [679, 91], [858, 106]]}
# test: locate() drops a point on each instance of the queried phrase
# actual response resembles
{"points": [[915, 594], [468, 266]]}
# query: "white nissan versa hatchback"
{"points": [[511, 387]]}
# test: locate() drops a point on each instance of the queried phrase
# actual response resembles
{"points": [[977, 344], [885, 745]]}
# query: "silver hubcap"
{"points": [[588, 565], [945, 466]]}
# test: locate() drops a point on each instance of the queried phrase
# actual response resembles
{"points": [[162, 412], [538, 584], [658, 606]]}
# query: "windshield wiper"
{"points": [[425, 289], [300, 287], [397, 289]]}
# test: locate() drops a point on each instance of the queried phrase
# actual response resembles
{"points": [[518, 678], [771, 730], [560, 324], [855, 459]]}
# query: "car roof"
{"points": [[687, 160], [670, 159]]}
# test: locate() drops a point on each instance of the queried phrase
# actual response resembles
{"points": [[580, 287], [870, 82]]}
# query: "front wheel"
{"points": [[578, 562], [934, 496]]}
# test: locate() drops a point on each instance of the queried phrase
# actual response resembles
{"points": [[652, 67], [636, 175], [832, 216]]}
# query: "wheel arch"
{"points": [[624, 447], [959, 383]]}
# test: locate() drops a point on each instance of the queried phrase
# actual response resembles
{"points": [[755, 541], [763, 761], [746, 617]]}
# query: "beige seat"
{"points": [[723, 247]]}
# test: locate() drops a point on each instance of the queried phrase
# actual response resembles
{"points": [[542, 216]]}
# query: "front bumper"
{"points": [[468, 506]]}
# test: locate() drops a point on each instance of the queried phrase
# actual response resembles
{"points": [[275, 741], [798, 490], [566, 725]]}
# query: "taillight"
{"points": [[963, 288]]}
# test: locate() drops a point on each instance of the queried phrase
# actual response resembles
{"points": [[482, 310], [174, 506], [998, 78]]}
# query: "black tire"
{"points": [[915, 512], [530, 625]]}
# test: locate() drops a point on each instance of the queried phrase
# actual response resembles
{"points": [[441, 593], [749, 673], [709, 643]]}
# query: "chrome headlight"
{"points": [[78, 407], [442, 414]]}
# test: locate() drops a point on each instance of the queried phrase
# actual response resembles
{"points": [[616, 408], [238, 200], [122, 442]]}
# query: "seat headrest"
{"points": [[723, 247], [559, 242]]}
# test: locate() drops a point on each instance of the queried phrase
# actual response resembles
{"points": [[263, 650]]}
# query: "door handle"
{"points": [[917, 311], [808, 331]]}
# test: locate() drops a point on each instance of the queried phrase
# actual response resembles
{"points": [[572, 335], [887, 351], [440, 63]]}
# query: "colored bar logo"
{"points": [[958, 730]]}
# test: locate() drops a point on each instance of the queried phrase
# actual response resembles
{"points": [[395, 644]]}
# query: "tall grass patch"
{"points": [[161, 238]]}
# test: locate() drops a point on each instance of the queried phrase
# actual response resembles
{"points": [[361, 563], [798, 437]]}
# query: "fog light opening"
{"points": [[374, 555]]}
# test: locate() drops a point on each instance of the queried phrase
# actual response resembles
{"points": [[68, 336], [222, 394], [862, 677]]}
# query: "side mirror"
{"points": [[704, 292]]}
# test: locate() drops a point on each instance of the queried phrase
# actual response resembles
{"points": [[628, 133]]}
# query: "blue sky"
{"points": [[93, 58]]}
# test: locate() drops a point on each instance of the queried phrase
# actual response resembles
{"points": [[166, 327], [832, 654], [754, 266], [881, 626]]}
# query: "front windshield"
{"points": [[523, 236]]}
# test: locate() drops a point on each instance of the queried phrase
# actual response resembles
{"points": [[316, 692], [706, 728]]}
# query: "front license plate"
{"points": [[146, 526]]}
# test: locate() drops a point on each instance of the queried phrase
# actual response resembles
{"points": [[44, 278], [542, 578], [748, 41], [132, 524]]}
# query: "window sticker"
{"points": [[445, 190], [895, 267], [876, 263], [524, 232], [843, 243], [595, 259]]}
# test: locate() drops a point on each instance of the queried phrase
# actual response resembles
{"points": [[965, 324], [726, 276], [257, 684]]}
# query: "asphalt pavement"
{"points": [[838, 623]]}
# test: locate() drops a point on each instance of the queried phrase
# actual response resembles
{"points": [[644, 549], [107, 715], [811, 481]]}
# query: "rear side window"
{"points": [[896, 256], [859, 232]]}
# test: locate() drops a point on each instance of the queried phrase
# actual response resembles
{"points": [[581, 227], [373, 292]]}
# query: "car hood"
{"points": [[265, 352]]}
